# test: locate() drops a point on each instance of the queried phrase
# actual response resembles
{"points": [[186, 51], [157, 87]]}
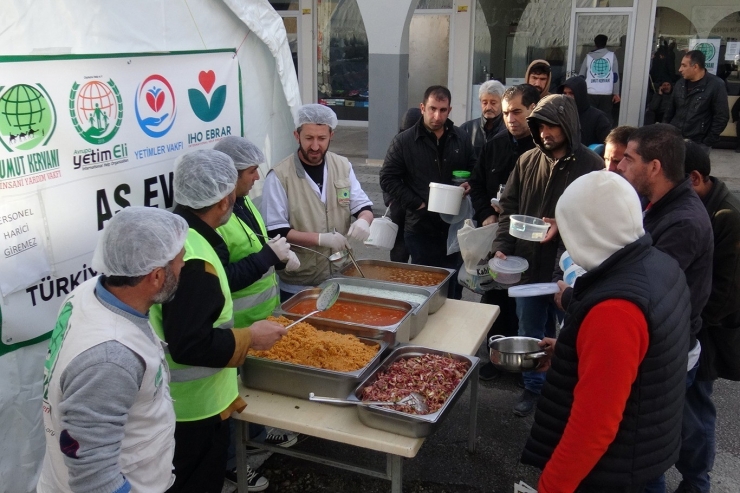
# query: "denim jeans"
{"points": [[537, 317], [432, 250], [696, 458]]}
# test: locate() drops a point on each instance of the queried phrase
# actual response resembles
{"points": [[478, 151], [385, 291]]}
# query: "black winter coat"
{"points": [[595, 124], [720, 333], [538, 181], [494, 165], [680, 227], [413, 161], [477, 133], [701, 114]]}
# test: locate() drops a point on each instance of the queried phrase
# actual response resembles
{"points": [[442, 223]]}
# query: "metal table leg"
{"points": [[395, 472], [472, 429], [241, 431]]}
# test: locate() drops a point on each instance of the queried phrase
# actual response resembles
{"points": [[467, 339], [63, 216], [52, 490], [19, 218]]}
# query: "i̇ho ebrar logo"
{"points": [[96, 109], [154, 106]]}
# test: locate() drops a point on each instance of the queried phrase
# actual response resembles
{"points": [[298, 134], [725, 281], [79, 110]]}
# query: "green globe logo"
{"points": [[707, 49], [27, 117], [600, 68], [96, 109]]}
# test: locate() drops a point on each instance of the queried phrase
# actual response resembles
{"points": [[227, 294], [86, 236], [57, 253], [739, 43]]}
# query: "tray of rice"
{"points": [[312, 358]]}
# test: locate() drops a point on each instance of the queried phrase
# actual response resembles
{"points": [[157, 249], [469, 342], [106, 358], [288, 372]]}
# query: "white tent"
{"points": [[269, 93]]}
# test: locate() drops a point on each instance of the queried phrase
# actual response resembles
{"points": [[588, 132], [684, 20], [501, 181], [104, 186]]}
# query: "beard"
{"points": [[167, 293], [311, 160]]}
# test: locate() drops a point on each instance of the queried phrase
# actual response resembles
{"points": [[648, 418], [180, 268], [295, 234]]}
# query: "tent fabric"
{"points": [[269, 93]]}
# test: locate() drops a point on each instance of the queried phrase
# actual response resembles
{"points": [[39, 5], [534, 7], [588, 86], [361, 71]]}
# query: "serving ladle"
{"points": [[414, 399], [327, 297], [335, 257]]}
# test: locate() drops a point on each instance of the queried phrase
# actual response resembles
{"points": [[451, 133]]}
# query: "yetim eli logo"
{"points": [[600, 68], [27, 117], [96, 109], [203, 109], [155, 107]]}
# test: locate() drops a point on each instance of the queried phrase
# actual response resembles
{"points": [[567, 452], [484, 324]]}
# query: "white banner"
{"points": [[80, 139], [710, 48]]}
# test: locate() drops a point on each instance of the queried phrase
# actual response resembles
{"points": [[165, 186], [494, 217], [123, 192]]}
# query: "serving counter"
{"points": [[458, 326]]}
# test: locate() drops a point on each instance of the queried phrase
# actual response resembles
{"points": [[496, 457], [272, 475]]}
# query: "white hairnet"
{"points": [[138, 240], [203, 177], [316, 113], [244, 153], [491, 87]]}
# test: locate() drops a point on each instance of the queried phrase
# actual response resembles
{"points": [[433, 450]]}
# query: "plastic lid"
{"points": [[445, 187], [512, 265], [538, 289], [461, 174]]}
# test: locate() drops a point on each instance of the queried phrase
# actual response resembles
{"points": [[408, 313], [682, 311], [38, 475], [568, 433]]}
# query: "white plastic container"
{"points": [[444, 198], [383, 233], [527, 227], [507, 271]]}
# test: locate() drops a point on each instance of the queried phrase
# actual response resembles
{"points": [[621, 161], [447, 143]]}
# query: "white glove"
{"points": [[335, 241], [360, 230], [280, 247], [293, 262]]}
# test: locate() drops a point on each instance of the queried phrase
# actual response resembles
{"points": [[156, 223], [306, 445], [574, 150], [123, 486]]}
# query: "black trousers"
{"points": [[507, 323], [201, 449], [610, 489]]}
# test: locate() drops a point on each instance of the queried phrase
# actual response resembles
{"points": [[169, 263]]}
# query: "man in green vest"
{"points": [[204, 347], [310, 198], [250, 259]]}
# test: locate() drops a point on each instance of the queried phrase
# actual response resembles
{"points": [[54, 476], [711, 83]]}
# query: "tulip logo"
{"points": [[203, 109]]}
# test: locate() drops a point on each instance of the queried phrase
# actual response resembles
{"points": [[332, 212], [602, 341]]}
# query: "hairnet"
{"points": [[244, 153], [316, 113], [137, 240], [203, 177], [491, 87]]}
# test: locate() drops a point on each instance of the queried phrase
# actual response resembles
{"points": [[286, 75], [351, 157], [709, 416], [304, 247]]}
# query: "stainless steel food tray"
{"points": [[299, 380], [439, 291], [400, 331], [420, 314], [409, 425]]}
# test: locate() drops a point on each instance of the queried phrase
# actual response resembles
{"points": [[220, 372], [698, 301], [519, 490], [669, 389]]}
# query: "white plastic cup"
{"points": [[383, 233], [445, 199]]}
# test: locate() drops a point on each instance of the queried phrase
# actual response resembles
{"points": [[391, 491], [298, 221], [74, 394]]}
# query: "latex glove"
{"points": [[293, 262], [360, 230], [280, 247], [336, 241]]}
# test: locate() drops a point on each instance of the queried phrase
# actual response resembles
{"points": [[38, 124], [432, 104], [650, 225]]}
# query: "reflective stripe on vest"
{"points": [[201, 392], [259, 299]]}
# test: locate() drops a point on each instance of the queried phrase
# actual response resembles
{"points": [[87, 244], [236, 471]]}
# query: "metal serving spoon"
{"points": [[414, 399], [335, 257], [327, 297]]}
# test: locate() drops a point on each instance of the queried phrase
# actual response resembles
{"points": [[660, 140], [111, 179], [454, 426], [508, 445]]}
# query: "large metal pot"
{"points": [[515, 354]]}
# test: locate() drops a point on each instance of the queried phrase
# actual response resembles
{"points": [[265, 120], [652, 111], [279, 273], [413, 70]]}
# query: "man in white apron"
{"points": [[107, 409], [601, 70]]}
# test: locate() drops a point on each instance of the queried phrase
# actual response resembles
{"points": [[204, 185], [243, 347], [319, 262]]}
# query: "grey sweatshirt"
{"points": [[99, 386]]}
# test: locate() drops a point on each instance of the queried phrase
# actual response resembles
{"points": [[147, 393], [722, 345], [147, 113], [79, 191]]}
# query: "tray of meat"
{"points": [[439, 376]]}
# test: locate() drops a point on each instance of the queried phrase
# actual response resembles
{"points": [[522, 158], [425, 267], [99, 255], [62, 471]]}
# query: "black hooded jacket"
{"points": [[538, 181], [595, 124]]}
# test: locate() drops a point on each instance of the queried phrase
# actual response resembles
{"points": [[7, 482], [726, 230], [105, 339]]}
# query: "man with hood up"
{"points": [[595, 124], [539, 75], [534, 187]]}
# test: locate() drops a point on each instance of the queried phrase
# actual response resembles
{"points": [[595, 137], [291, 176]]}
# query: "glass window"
{"points": [[510, 34], [434, 4], [284, 4], [342, 67], [429, 54], [291, 29], [590, 4]]}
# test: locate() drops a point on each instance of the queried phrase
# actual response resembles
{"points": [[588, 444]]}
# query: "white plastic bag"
{"points": [[475, 244]]}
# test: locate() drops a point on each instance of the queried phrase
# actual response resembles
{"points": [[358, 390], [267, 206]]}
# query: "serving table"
{"points": [[458, 326]]}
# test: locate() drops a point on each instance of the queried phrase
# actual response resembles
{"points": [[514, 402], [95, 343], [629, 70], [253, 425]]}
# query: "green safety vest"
{"points": [[258, 300], [200, 392]]}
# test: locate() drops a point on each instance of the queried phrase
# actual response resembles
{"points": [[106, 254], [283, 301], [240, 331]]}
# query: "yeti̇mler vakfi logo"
{"points": [[27, 117], [707, 49], [202, 109], [96, 109], [600, 68], [158, 116]]}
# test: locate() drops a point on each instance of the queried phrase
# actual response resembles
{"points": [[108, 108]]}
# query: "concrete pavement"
{"points": [[443, 464]]}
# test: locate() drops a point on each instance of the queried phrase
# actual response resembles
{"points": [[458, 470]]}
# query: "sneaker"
{"points": [[276, 440], [255, 480], [526, 404], [488, 372]]}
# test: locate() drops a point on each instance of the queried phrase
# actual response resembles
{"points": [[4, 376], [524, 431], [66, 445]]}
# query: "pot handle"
{"points": [[493, 339], [535, 355]]}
